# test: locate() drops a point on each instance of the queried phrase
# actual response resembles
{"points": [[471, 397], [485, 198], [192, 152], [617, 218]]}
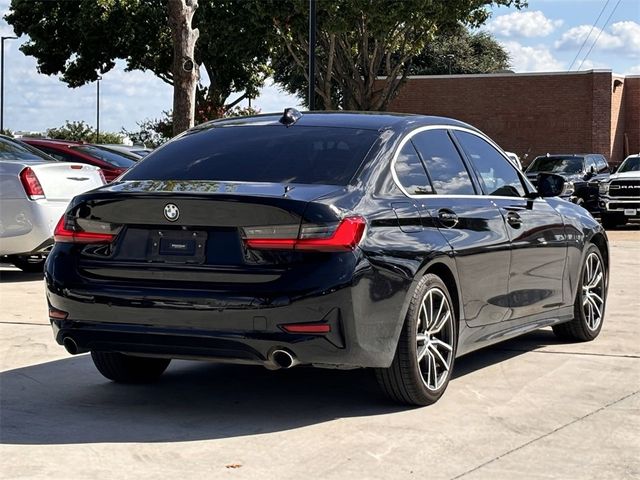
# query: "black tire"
{"points": [[579, 329], [123, 368], [28, 263], [404, 381], [612, 220]]}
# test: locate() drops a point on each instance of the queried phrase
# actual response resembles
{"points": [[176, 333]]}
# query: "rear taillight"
{"points": [[342, 236], [31, 184], [68, 230]]}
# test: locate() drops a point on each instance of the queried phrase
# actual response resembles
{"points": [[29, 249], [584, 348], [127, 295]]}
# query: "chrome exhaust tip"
{"points": [[283, 359]]}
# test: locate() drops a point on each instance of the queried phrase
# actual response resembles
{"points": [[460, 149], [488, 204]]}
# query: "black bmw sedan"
{"points": [[334, 240]]}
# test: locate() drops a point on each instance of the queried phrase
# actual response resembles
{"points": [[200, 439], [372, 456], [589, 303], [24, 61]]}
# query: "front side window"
{"points": [[497, 174], [591, 165], [602, 165], [410, 171], [443, 162]]}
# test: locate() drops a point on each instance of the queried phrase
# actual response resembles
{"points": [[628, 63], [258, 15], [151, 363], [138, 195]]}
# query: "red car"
{"points": [[112, 164]]}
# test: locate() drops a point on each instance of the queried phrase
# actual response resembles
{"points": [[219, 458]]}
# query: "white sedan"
{"points": [[35, 190]]}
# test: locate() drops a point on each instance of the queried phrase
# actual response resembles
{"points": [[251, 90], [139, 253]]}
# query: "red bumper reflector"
{"points": [[306, 328], [57, 314]]}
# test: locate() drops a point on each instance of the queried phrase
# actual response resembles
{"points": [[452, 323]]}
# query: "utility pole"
{"points": [[312, 54], [2, 80], [98, 109]]}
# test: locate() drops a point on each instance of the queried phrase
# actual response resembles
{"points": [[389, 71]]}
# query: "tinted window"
{"points": [[446, 169], [12, 150], [320, 155], [602, 165], [61, 156], [120, 160], [591, 163], [631, 164], [556, 165], [497, 175], [410, 171]]}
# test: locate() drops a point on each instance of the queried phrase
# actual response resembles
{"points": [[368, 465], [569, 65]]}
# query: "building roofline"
{"points": [[509, 74]]}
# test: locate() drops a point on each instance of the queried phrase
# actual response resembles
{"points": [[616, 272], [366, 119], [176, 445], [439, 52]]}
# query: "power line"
{"points": [[600, 33], [590, 32]]}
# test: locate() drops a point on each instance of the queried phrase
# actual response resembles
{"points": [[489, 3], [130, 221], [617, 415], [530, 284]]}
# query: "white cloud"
{"points": [[523, 24], [635, 70], [273, 99], [622, 37], [532, 58]]}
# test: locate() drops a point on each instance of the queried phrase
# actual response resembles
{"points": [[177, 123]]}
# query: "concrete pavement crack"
{"points": [[25, 323], [530, 442], [566, 353]]}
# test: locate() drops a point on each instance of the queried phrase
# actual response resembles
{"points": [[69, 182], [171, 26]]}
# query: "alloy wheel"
{"points": [[434, 338], [593, 291]]}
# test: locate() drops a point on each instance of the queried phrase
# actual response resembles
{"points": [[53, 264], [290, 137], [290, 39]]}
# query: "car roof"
{"points": [[342, 119], [51, 141]]}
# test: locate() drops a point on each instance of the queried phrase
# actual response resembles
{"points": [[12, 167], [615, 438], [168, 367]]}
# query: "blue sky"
{"points": [[544, 37]]}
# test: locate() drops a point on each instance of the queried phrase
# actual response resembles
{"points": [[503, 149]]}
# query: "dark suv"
{"points": [[582, 173]]}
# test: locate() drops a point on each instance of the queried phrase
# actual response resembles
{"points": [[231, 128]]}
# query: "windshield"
{"points": [[556, 165], [121, 160], [266, 153], [631, 164], [16, 150]]}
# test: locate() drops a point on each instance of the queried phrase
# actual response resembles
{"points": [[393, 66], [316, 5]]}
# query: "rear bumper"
{"points": [[234, 327]]}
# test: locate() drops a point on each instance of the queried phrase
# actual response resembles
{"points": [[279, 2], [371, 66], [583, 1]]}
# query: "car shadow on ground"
{"points": [[67, 401], [11, 275]]}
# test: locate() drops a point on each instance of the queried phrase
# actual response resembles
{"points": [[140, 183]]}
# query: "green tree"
{"points": [[82, 132], [367, 47], [81, 40], [458, 51]]}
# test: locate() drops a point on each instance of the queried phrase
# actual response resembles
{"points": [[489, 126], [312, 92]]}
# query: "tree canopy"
{"points": [[81, 40], [360, 41]]}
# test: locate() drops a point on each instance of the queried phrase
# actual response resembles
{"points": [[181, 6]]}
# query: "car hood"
{"points": [[626, 176]]}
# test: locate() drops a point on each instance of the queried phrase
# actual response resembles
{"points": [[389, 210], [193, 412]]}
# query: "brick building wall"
{"points": [[534, 113]]}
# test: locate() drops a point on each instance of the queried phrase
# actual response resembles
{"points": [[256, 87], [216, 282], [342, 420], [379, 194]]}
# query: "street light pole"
{"points": [[2, 80], [312, 54], [98, 109]]}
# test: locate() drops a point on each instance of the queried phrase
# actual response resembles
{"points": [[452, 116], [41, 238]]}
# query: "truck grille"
{"points": [[624, 188], [621, 205]]}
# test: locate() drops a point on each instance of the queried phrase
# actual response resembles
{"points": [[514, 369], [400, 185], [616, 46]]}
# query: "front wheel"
{"points": [[590, 301], [123, 368], [423, 363]]}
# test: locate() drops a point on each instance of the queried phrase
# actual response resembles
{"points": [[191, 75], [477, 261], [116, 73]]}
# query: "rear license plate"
{"points": [[178, 246], [630, 211]]}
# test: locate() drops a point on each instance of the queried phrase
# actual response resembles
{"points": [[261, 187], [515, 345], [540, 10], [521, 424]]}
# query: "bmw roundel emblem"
{"points": [[171, 212]]}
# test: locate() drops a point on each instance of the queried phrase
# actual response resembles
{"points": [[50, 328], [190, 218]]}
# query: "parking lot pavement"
{"points": [[529, 408]]}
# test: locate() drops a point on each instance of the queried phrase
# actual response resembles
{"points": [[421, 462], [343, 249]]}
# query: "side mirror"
{"points": [[550, 184]]}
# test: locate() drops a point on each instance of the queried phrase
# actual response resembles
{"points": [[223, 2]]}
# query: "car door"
{"points": [[536, 230], [472, 225]]}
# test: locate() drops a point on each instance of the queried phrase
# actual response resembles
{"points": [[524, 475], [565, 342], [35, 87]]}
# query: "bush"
{"points": [[82, 132]]}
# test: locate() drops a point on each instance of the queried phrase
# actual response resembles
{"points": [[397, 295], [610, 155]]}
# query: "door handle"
{"points": [[447, 218], [514, 219]]}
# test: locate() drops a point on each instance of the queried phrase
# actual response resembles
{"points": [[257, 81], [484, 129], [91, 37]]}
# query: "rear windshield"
{"points": [[556, 165], [310, 155], [14, 150], [121, 160]]}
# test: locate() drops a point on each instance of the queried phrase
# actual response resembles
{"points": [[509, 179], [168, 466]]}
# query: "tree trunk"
{"points": [[185, 70]]}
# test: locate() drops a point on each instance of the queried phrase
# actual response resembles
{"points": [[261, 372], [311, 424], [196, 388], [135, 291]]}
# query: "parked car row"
{"points": [[38, 178]]}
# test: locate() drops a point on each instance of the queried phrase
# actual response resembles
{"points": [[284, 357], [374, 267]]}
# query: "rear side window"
{"points": [[298, 154], [444, 164], [497, 175], [410, 171]]}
